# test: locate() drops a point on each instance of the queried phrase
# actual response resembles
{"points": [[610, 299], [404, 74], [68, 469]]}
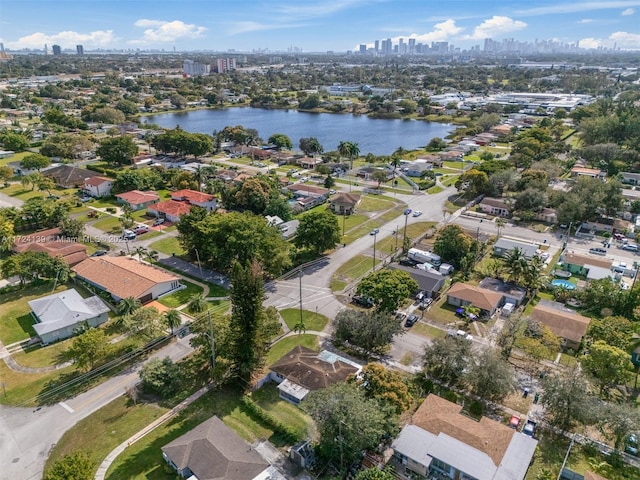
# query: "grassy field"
{"points": [[116, 422], [40, 356], [287, 344], [352, 270], [312, 321], [22, 389], [182, 296], [428, 331], [168, 246]]}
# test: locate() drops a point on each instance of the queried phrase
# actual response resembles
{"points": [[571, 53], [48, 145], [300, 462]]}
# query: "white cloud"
{"points": [[586, 20], [66, 39], [628, 11], [158, 31], [496, 26], [622, 40]]}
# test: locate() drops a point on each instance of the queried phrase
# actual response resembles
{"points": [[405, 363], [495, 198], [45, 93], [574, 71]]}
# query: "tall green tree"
{"points": [[384, 385], [247, 345], [35, 161], [172, 319], [490, 376], [609, 365], [128, 305], [453, 245], [446, 359], [145, 322], [89, 349], [318, 231], [348, 422], [161, 376], [566, 398], [281, 141], [118, 150], [387, 288], [371, 331]]}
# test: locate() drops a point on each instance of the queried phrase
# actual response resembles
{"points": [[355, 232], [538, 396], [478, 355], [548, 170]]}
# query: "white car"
{"points": [[417, 213]]}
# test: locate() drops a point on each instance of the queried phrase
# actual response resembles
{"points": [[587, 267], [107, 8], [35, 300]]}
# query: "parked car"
{"points": [[417, 213], [631, 445], [424, 304], [419, 295], [514, 422], [86, 198], [140, 229], [407, 211], [463, 334], [529, 428], [332, 192], [99, 253], [128, 235], [158, 221], [631, 247], [375, 231], [411, 320], [362, 301], [598, 251]]}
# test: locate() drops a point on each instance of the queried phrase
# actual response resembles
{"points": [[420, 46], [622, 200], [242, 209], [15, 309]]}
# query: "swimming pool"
{"points": [[563, 283]]}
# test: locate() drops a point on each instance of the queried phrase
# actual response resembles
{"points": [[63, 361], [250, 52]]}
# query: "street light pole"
{"points": [[374, 250], [212, 339], [300, 276], [397, 228], [407, 212]]}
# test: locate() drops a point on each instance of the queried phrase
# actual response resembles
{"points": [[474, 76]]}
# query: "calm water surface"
{"points": [[378, 136]]}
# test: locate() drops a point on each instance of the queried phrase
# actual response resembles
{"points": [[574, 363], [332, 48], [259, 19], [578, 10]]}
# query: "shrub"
{"points": [[285, 432], [476, 409]]}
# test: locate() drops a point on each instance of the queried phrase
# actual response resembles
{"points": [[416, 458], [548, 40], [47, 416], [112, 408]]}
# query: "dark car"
{"points": [[362, 301], [411, 320], [99, 253], [407, 262], [529, 428]]}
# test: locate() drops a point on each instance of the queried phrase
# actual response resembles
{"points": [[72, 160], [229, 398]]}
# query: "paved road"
{"points": [[7, 201], [27, 435]]}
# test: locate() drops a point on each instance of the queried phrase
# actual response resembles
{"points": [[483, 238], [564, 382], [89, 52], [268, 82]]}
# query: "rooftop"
{"points": [[564, 323], [136, 197], [478, 297]]}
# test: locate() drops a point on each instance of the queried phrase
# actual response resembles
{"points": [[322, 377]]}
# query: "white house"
{"points": [[98, 186], [59, 314]]}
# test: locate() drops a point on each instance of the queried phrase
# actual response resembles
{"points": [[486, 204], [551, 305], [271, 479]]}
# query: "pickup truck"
{"points": [[529, 428]]}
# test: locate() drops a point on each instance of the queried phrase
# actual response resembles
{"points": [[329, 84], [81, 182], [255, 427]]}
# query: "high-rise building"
{"points": [[56, 49], [363, 48], [225, 64], [377, 46], [195, 69], [79, 49]]}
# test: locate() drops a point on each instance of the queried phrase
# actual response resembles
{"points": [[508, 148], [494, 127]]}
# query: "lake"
{"points": [[378, 136]]}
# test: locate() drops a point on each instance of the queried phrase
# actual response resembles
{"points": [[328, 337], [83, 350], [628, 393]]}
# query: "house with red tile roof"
{"points": [[53, 244], [98, 186], [193, 197], [124, 277], [462, 294], [137, 199], [169, 209]]}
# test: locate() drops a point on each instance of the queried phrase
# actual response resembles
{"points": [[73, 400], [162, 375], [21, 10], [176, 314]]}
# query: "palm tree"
{"points": [[500, 223], [354, 152], [139, 251], [152, 256], [534, 276], [471, 312], [197, 304], [300, 328], [343, 149], [199, 175], [128, 305], [173, 319], [516, 265]]}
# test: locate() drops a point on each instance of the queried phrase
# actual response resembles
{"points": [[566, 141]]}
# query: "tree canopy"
{"points": [[371, 331], [318, 231], [455, 246], [387, 288], [118, 150]]}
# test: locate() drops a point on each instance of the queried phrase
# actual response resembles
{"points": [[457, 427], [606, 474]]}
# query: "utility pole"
{"points": [[407, 212], [212, 340], [374, 250], [300, 277]]}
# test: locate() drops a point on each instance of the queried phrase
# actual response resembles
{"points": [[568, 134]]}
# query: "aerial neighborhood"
{"points": [[247, 302]]}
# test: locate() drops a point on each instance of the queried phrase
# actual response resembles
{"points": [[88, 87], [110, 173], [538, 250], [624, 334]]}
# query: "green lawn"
{"points": [[428, 331], [18, 191], [371, 203], [269, 399], [312, 321], [15, 315], [182, 296], [40, 356], [168, 246], [17, 157], [109, 224], [287, 344], [435, 189], [116, 422], [352, 269], [22, 388]]}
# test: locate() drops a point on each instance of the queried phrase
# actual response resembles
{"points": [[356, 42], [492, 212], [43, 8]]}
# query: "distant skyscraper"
{"points": [[195, 69], [46, 49], [79, 49], [56, 50], [377, 45], [363, 48], [225, 64]]}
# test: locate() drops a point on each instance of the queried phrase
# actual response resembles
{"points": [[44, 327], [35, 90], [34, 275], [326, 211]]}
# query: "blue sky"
{"points": [[311, 25]]}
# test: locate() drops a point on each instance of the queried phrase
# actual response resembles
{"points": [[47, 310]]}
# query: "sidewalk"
{"points": [[106, 463]]}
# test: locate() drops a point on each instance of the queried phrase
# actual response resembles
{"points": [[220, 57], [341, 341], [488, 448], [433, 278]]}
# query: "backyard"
{"points": [[312, 321]]}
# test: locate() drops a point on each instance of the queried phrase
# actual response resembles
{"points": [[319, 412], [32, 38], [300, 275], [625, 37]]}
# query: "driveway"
{"points": [[7, 201]]}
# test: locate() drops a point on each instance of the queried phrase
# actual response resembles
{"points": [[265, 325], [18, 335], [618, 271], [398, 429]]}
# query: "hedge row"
{"points": [[285, 432], [110, 172]]}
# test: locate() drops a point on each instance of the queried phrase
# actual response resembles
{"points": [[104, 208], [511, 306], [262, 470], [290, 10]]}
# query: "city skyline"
{"points": [[318, 26]]}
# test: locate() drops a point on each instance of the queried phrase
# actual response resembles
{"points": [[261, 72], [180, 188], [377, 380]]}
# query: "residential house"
{"points": [[502, 129], [443, 443], [345, 203], [309, 162], [58, 315], [193, 197], [429, 282], [367, 173], [511, 293], [98, 186], [169, 209], [495, 206], [212, 451], [579, 171], [67, 176], [606, 224], [303, 370], [570, 326], [417, 168], [53, 244], [137, 199], [450, 156], [546, 215], [506, 245], [630, 178], [462, 294], [124, 277], [591, 266], [308, 196]]}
